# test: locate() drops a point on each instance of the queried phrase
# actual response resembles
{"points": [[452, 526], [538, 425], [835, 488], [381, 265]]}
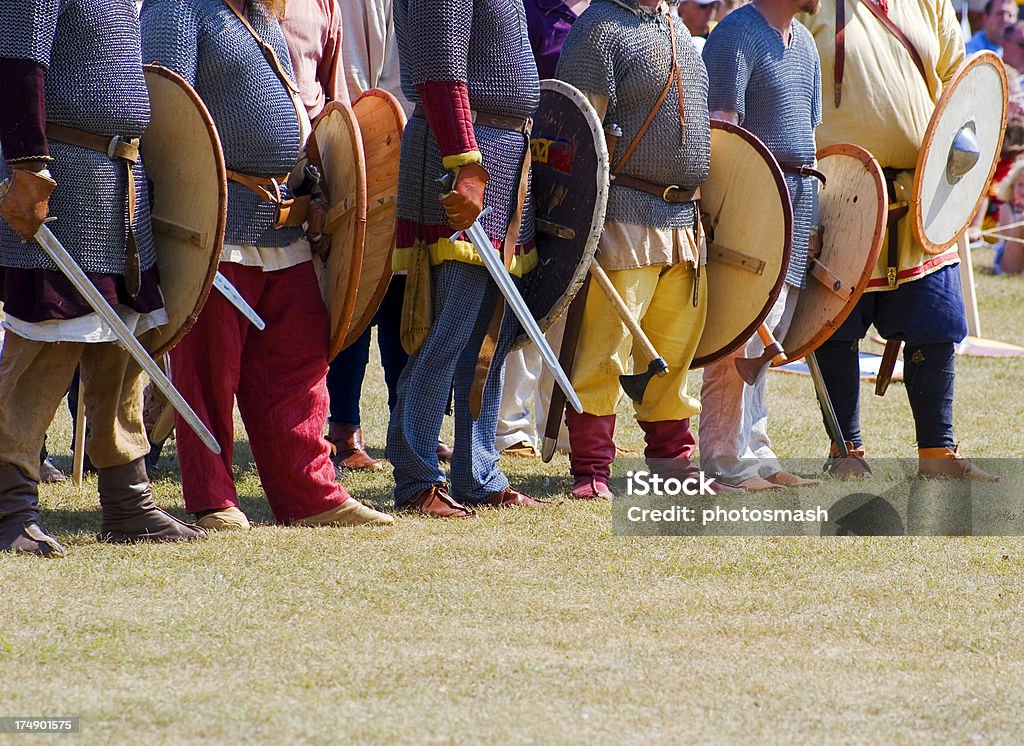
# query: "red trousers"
{"points": [[279, 378]]}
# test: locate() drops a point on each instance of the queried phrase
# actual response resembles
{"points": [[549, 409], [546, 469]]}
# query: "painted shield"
{"points": [[570, 192], [852, 209], [748, 221], [959, 153], [184, 164], [336, 148], [381, 122]]}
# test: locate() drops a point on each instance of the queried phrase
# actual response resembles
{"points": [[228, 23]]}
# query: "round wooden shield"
{"points": [[749, 222], [852, 209], [381, 122], [971, 115], [184, 164], [570, 193], [336, 148]]}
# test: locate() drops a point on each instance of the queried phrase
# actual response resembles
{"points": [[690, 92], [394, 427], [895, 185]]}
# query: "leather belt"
{"points": [[484, 119], [119, 149], [897, 211], [291, 211], [803, 171], [669, 193]]}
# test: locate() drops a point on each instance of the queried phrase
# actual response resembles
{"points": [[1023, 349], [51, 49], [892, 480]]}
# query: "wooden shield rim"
{"points": [[830, 326], [337, 340], [787, 209], [222, 217], [600, 204], [358, 325], [917, 204]]}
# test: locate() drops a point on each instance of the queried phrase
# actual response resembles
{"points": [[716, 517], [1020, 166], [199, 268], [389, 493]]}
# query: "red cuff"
{"points": [[446, 106], [23, 124]]}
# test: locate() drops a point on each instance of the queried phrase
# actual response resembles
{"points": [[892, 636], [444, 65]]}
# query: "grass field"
{"points": [[521, 627]]}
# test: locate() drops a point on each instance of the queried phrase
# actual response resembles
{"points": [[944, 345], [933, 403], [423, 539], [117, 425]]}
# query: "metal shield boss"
{"points": [[570, 192], [381, 123], [852, 209], [748, 221], [336, 148], [959, 153], [184, 163]]}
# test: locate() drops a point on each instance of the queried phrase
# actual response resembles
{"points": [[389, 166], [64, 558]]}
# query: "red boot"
{"points": [[592, 450], [673, 440]]}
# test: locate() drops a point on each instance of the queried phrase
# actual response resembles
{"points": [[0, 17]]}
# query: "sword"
{"points": [[223, 284], [825, 402], [60, 256], [503, 279]]}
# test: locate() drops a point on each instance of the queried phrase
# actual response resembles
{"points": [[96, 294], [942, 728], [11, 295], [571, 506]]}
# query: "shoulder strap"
{"points": [[268, 51], [880, 13]]}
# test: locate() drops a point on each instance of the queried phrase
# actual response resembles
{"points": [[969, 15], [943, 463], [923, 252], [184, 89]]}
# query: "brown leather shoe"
{"points": [[437, 503], [513, 498], [756, 484], [948, 463], [444, 451], [853, 465], [788, 479], [347, 443], [525, 449]]}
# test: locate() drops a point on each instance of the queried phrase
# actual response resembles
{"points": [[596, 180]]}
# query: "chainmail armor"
{"points": [[626, 56], [501, 76], [94, 82], [776, 90], [255, 118]]}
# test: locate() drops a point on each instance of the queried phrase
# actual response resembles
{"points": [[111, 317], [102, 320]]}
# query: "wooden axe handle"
{"points": [[768, 340], [598, 273]]}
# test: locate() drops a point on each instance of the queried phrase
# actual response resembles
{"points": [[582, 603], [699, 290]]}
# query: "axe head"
{"points": [[636, 385]]}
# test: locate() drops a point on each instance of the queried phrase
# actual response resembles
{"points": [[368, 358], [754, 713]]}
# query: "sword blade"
{"points": [[825, 402], [60, 256], [230, 292], [507, 286]]}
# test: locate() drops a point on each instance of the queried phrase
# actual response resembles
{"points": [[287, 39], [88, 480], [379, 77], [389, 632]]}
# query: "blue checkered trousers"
{"points": [[464, 299]]}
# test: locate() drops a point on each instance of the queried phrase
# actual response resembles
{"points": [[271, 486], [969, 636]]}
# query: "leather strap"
{"points": [[803, 171], [897, 211], [485, 119], [291, 211], [669, 193], [122, 150], [268, 51], [883, 16], [675, 76]]}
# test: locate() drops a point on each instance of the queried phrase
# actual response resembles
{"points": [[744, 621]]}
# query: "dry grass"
{"points": [[519, 628]]}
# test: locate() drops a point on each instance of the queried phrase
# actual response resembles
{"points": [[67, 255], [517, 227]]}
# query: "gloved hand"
{"points": [[465, 201], [27, 202]]}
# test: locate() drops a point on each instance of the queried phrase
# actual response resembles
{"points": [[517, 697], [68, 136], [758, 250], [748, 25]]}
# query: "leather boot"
{"points": [[948, 463], [591, 452], [673, 440], [347, 441], [853, 465], [19, 516], [129, 513]]}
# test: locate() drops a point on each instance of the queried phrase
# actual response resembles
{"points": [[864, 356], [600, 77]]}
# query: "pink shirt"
{"points": [[312, 29]]}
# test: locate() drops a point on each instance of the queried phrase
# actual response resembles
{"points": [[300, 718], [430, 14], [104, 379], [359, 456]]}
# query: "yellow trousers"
{"points": [[34, 377], [661, 298]]}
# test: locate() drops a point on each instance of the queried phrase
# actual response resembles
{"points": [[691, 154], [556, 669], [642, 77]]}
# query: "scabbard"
{"points": [[886, 367], [567, 359]]}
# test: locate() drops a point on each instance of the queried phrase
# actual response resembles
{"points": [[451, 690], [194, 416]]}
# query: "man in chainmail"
{"points": [[876, 96], [235, 56], [467, 66], [764, 75], [627, 57], [70, 80]]}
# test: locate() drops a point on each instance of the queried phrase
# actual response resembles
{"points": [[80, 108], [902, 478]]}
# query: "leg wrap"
{"points": [[928, 374]]}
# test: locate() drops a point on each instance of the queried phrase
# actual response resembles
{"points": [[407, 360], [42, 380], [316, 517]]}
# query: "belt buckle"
{"points": [[112, 146], [890, 276], [669, 188]]}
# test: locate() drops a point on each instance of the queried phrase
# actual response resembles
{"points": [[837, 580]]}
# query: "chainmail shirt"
{"points": [[483, 43], [208, 46], [776, 90], [623, 52], [94, 82]]}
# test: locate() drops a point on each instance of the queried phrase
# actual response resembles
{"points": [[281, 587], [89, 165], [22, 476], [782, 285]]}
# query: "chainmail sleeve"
{"points": [[587, 59], [728, 73], [29, 27], [170, 36]]}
